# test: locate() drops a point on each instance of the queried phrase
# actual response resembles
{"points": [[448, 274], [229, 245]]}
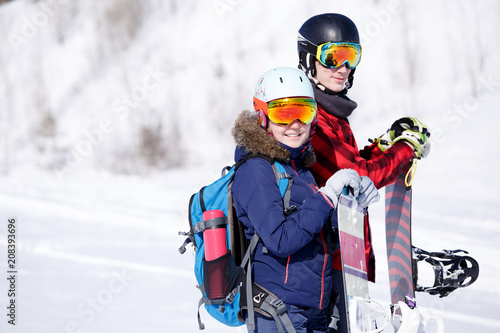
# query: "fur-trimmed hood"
{"points": [[250, 136]]}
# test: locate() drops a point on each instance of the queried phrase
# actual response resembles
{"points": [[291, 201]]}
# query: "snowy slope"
{"points": [[98, 216]]}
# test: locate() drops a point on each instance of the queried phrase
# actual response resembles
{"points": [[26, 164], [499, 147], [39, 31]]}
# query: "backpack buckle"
{"points": [[231, 297], [278, 305]]}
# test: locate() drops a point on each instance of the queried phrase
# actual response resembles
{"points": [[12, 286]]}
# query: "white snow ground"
{"points": [[97, 251]]}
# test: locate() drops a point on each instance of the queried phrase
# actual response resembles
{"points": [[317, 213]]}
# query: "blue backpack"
{"points": [[232, 272]]}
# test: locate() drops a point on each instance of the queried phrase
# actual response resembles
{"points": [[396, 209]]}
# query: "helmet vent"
{"points": [[301, 79], [281, 79]]}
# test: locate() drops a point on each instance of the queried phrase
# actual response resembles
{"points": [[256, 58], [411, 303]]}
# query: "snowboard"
{"points": [[398, 238], [354, 266]]}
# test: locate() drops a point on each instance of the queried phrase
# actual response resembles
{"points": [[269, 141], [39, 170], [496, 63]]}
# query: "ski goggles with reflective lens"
{"points": [[283, 111], [333, 55]]}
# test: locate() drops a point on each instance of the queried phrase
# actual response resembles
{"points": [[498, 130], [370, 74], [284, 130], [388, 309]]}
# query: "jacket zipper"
{"points": [[286, 273], [294, 168]]}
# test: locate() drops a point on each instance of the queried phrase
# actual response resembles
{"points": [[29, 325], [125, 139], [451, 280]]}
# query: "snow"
{"points": [[97, 216]]}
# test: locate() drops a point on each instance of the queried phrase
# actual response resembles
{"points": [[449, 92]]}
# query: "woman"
{"points": [[293, 259]]}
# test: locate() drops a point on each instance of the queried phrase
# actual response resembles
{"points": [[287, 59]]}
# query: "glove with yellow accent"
{"points": [[414, 133]]}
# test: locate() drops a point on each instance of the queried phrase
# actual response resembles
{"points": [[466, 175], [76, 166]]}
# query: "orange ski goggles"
{"points": [[283, 111], [333, 55]]}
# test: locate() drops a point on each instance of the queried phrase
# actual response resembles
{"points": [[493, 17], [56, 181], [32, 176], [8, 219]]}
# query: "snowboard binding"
{"points": [[452, 269]]}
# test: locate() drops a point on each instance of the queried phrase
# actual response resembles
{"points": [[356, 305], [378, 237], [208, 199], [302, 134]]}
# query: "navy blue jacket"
{"points": [[296, 263]]}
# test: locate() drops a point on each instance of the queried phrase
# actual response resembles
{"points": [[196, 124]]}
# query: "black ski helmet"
{"points": [[324, 28]]}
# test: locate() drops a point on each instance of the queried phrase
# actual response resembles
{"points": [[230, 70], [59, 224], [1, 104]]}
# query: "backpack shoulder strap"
{"points": [[285, 182]]}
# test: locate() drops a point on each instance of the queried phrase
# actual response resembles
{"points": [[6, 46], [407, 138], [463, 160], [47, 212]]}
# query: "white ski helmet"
{"points": [[279, 83]]}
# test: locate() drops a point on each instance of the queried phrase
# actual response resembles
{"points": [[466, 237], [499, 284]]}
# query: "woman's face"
{"points": [[332, 78], [293, 135]]}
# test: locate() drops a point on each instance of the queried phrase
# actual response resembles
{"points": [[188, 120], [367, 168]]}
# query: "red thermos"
{"points": [[214, 237]]}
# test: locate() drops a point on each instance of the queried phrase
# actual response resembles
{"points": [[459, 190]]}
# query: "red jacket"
{"points": [[336, 148]]}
